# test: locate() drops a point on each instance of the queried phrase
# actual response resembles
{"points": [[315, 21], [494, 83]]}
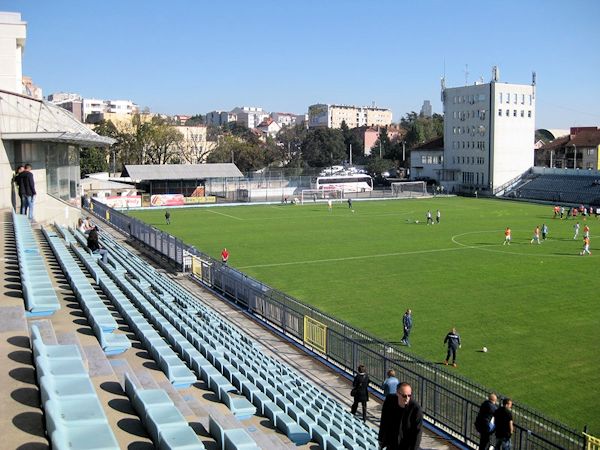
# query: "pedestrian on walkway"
{"points": [[401, 424], [360, 391], [484, 423], [503, 419], [29, 190], [390, 385]]}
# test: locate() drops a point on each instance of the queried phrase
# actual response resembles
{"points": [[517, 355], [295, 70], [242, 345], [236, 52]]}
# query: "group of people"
{"points": [[401, 425], [541, 233], [429, 217], [582, 210], [25, 183]]}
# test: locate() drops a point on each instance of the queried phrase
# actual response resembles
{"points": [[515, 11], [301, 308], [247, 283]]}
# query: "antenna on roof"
{"points": [[466, 74], [533, 78], [495, 74]]}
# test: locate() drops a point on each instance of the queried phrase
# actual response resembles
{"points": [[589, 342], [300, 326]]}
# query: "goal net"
{"points": [[409, 189], [321, 195]]}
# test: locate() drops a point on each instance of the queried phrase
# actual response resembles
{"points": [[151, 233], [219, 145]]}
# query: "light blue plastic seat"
{"points": [[239, 406], [178, 437], [92, 436], [62, 387], [161, 416], [238, 439]]}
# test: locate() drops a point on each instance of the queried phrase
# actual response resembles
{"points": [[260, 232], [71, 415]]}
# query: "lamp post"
{"points": [[574, 156]]}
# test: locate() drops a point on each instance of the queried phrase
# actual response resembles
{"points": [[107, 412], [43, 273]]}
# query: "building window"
{"points": [[515, 99], [522, 99], [500, 112], [514, 113], [508, 113], [590, 151], [507, 98], [529, 114], [522, 113]]}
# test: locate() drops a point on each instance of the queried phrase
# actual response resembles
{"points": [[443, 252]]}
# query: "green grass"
{"points": [[535, 307]]}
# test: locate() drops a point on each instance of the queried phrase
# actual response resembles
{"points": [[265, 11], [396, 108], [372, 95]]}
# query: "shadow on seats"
{"points": [[27, 396], [140, 446], [121, 405], [199, 429], [85, 331], [33, 446], [23, 374], [133, 426], [22, 357], [19, 341], [112, 387], [30, 422]]}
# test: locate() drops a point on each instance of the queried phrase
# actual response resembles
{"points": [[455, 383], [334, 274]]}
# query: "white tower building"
{"points": [[488, 134]]}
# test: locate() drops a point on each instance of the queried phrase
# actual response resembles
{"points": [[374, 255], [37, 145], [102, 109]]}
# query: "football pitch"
{"points": [[535, 307]]}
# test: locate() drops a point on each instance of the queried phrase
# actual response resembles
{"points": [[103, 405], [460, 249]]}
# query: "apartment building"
{"points": [[332, 116]]}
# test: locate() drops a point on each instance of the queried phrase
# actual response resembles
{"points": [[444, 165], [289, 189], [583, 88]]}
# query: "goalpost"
{"points": [[321, 195], [409, 189]]}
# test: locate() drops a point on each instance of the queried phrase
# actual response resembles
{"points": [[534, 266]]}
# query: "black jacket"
{"points": [[18, 179], [486, 412], [26, 184], [360, 385], [401, 428]]}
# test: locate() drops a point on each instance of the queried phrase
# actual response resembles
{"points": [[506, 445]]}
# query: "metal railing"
{"points": [[450, 401]]}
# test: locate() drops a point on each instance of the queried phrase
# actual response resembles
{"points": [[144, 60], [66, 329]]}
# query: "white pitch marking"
{"points": [[223, 214]]}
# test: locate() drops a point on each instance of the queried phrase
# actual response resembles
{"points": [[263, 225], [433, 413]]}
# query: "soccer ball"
{"points": [[484, 349], [352, 210], [416, 221]]}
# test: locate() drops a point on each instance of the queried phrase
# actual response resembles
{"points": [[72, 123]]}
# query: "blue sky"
{"points": [[192, 56]]}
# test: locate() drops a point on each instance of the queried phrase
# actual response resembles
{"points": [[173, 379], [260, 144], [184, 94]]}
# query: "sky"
{"points": [[192, 57]]}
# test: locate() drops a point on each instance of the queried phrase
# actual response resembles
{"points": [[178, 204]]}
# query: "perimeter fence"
{"points": [[450, 401]]}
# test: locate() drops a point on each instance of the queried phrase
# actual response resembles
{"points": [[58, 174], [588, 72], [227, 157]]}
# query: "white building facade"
{"points": [[12, 44], [218, 118], [250, 116], [488, 135]]}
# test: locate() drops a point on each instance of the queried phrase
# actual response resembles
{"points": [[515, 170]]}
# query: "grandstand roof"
{"points": [[94, 184], [139, 172], [27, 118]]}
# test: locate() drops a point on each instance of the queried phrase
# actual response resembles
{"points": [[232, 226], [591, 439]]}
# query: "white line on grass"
{"points": [[351, 258], [223, 214]]}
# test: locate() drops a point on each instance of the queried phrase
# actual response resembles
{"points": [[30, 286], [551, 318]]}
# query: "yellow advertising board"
{"points": [[196, 200], [315, 334]]}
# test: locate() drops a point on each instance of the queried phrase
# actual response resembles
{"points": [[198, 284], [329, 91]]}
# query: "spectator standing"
{"points": [[484, 423], [401, 424], [28, 190], [224, 256], [94, 245], [407, 323], [390, 385], [360, 391], [503, 419], [18, 180], [453, 341], [168, 217]]}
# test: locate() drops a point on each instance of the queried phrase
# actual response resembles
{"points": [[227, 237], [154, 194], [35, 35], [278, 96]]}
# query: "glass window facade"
{"points": [[62, 166]]}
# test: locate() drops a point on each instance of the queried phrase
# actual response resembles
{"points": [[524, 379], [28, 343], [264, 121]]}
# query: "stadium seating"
{"points": [[38, 292], [559, 188], [100, 318], [73, 413], [228, 360], [167, 428]]}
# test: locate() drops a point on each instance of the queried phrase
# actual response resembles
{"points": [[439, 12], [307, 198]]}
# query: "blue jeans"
{"points": [[23, 204], [102, 252], [503, 444], [29, 205]]}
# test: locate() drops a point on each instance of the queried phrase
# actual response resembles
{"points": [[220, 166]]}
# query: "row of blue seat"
{"points": [[327, 425], [167, 427], [74, 416], [38, 292], [100, 318]]}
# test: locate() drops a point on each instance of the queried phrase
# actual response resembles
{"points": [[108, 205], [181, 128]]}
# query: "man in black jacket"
{"points": [[483, 422], [18, 180], [401, 421], [28, 189], [453, 341]]}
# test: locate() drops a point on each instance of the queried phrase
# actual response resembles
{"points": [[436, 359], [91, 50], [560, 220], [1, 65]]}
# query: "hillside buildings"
{"points": [[92, 110], [332, 116], [577, 150], [488, 134]]}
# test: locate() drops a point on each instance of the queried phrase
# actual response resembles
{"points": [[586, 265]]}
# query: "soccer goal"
{"points": [[321, 195], [409, 189]]}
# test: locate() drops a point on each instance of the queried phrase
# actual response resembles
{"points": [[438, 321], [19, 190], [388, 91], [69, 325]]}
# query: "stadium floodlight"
{"points": [[409, 189], [321, 195]]}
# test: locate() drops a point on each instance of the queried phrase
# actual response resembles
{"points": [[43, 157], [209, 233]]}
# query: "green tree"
{"points": [[383, 145], [422, 129], [323, 147], [245, 155], [93, 160], [290, 140], [197, 119], [353, 141]]}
